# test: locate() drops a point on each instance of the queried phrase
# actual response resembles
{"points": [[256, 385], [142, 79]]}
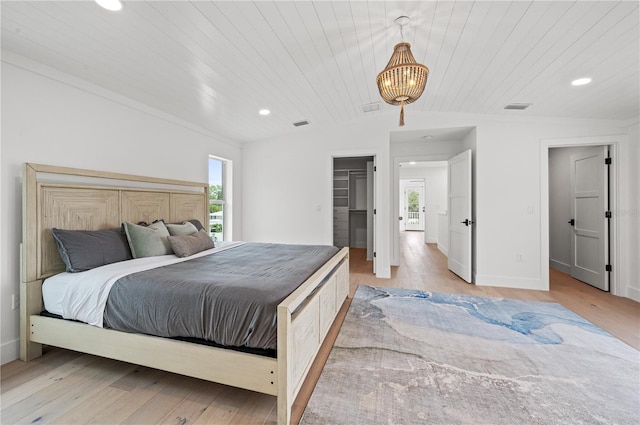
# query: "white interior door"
{"points": [[370, 204], [414, 206], [589, 202], [372, 209], [460, 215]]}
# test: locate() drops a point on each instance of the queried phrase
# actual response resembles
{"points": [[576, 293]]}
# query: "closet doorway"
{"points": [[590, 237], [353, 203], [580, 213]]}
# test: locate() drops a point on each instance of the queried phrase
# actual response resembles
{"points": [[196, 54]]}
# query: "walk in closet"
{"points": [[352, 202]]}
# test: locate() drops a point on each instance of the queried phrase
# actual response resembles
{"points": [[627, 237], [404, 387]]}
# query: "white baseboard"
{"points": [[443, 249], [559, 265], [633, 293], [10, 351], [512, 282]]}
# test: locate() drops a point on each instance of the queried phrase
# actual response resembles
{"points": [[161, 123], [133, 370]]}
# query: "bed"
{"points": [[74, 199]]}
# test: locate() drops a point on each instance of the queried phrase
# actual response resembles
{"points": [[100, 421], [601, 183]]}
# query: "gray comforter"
{"points": [[229, 297]]}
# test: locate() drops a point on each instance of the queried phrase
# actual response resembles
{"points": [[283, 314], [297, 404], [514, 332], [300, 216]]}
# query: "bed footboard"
{"points": [[304, 318]]}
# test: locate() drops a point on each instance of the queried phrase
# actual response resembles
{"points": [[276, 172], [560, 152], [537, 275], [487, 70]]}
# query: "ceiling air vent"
{"points": [[300, 123], [373, 106], [518, 106]]}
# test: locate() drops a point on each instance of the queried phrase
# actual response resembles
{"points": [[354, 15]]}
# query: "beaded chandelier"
{"points": [[403, 80]]}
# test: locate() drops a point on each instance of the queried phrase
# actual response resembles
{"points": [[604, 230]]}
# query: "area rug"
{"points": [[412, 357]]}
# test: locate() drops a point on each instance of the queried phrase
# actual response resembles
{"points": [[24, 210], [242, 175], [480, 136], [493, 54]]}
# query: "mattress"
{"points": [[228, 296]]}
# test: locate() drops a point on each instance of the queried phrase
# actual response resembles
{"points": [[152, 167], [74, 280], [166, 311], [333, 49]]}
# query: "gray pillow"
{"points": [[147, 241], [185, 228], [186, 245], [196, 223], [83, 250]]}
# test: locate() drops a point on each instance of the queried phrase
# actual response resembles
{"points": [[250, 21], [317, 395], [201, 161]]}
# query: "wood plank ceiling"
{"points": [[216, 63]]}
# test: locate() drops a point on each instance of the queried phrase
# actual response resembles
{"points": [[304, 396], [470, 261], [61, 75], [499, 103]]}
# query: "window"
{"points": [[219, 199]]}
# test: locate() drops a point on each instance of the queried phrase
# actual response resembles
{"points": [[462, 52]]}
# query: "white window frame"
{"points": [[226, 197]]}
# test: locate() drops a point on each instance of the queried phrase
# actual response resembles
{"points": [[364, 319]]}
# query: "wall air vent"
{"points": [[373, 106], [518, 106], [300, 123]]}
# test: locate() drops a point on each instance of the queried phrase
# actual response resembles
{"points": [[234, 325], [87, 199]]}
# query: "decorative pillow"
{"points": [[147, 241], [186, 245], [83, 250], [196, 223], [185, 228]]}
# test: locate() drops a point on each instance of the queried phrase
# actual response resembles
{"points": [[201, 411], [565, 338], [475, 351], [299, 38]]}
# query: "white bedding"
{"points": [[83, 296]]}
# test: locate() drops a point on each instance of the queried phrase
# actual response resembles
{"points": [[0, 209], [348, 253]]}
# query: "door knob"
{"points": [[467, 222], [572, 222]]}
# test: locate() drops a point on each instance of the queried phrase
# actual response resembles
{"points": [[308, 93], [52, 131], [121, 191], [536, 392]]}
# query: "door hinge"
{"points": [[374, 210], [608, 268], [607, 214], [374, 255], [607, 161], [375, 168]]}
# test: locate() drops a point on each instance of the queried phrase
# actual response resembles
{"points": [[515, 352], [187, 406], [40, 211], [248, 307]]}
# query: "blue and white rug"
{"points": [[411, 357]]}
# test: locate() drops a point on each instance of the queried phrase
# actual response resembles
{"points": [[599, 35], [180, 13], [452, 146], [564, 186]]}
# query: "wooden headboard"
{"points": [[75, 199]]}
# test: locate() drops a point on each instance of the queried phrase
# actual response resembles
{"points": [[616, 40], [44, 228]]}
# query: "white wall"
{"points": [[560, 207], [52, 118], [631, 216], [443, 233], [435, 195], [287, 191]]}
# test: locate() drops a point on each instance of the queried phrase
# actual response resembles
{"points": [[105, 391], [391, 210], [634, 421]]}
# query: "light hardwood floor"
{"points": [[66, 387]]}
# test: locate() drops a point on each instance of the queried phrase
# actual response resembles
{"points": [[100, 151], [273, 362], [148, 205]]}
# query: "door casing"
{"points": [[617, 149]]}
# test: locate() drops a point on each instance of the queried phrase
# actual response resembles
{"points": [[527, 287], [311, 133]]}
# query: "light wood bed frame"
{"points": [[78, 199]]}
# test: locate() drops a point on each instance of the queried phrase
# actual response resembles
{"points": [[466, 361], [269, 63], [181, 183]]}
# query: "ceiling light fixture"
{"points": [[581, 81], [264, 112], [113, 5], [403, 80]]}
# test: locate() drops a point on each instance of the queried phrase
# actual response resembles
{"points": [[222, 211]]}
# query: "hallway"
{"points": [[424, 267]]}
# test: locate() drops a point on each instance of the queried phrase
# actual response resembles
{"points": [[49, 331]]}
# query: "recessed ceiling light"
{"points": [[581, 81], [264, 112], [113, 5]]}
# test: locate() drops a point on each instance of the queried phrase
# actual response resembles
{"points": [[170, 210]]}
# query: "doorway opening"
{"points": [[608, 254], [354, 204], [431, 177], [412, 208], [435, 147], [580, 213]]}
